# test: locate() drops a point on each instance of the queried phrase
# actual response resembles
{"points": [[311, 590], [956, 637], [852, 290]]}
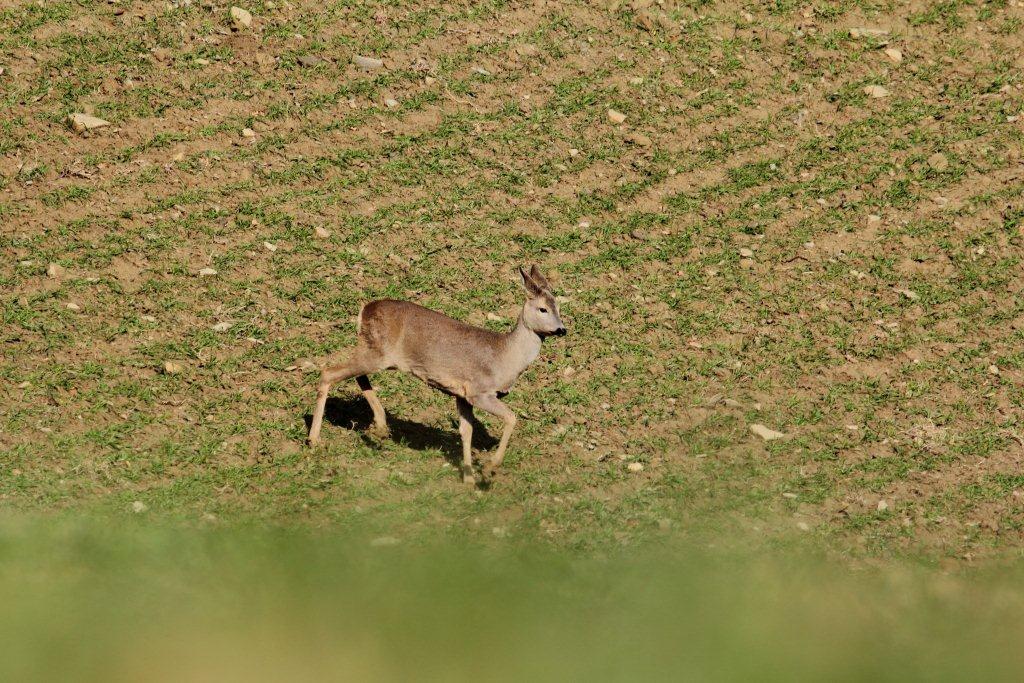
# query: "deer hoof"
{"points": [[467, 475], [489, 473]]}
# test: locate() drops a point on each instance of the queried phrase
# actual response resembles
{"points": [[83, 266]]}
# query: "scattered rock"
{"points": [[83, 123], [248, 133], [938, 162], [747, 252], [868, 32], [71, 306], [909, 293], [876, 91], [635, 467], [882, 505], [368, 63], [390, 102], [993, 370], [207, 272], [202, 61], [55, 271], [766, 433], [746, 263], [270, 246], [147, 318], [616, 116], [494, 317], [322, 233], [173, 368], [638, 139], [241, 17], [138, 506], [894, 55], [162, 54], [222, 327], [639, 235], [309, 61]]}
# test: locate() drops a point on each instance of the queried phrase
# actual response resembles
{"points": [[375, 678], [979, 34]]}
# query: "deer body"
{"points": [[470, 363]]}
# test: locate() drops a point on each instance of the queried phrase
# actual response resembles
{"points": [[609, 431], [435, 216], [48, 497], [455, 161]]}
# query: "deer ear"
{"points": [[537, 277], [532, 288]]}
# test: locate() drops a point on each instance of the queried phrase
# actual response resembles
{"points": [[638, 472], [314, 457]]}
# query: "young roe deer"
{"points": [[474, 365]]}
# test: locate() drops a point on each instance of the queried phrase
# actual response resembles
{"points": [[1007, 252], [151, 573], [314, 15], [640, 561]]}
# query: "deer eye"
{"points": [[543, 310]]}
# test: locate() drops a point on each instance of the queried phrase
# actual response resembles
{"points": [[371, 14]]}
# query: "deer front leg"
{"points": [[492, 405], [466, 431]]}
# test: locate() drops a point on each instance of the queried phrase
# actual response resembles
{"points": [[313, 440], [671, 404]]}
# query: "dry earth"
{"points": [[800, 223]]}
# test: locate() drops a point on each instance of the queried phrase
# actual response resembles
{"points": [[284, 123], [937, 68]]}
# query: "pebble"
{"points": [[222, 327], [55, 271], [322, 233], [635, 467], [746, 252], [367, 63], [616, 116], [138, 506], [309, 60], [241, 17], [83, 123], [868, 32], [390, 102], [248, 133], [269, 246], [72, 306], [894, 55], [938, 162], [766, 433], [639, 139], [882, 506], [876, 91], [173, 368], [207, 272]]}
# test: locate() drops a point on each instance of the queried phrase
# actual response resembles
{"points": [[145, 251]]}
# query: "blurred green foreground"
{"points": [[110, 600]]}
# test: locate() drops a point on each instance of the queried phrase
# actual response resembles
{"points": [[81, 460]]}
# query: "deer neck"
{"points": [[522, 346]]}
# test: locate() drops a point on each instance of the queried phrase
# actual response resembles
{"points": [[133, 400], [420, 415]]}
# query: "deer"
{"points": [[474, 365]]}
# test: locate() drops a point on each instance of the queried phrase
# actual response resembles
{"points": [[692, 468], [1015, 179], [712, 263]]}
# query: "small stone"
{"points": [[390, 102], [207, 272], [993, 370], [499, 532], [241, 17], [635, 467], [269, 246], [894, 55], [638, 139], [938, 162], [746, 263], [584, 225], [55, 271], [636, 80], [83, 123], [309, 61], [876, 91], [766, 433], [173, 368], [909, 293], [616, 116], [429, 80], [138, 506], [639, 234], [147, 318], [803, 526], [569, 371], [368, 63], [222, 327], [248, 133], [162, 54], [882, 506], [71, 306], [322, 233], [203, 62], [493, 317], [868, 32], [746, 252]]}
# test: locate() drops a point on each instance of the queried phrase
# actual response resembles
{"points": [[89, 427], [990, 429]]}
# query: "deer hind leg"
{"points": [[492, 405], [466, 431], [380, 421], [361, 363]]}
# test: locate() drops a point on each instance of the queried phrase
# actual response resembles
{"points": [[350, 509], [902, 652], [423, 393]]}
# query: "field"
{"points": [[803, 217]]}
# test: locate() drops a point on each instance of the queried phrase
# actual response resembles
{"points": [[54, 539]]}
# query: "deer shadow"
{"points": [[354, 413]]}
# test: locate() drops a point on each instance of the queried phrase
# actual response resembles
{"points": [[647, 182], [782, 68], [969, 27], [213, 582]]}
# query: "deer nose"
{"points": [[560, 332]]}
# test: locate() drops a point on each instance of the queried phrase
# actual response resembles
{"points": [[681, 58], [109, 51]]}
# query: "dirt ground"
{"points": [[810, 218]]}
